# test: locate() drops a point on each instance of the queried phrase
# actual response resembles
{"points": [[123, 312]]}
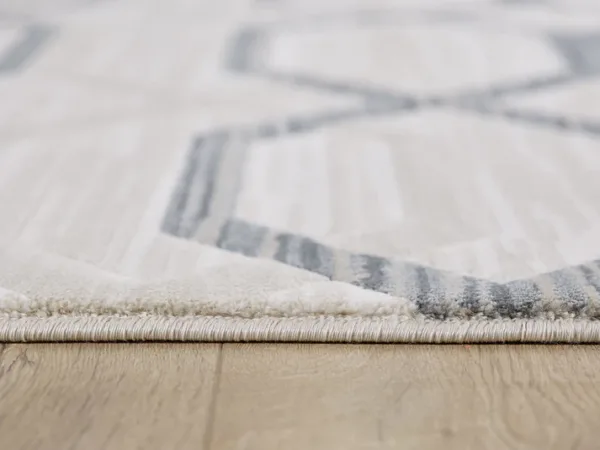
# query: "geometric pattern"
{"points": [[444, 154], [202, 208], [33, 38]]}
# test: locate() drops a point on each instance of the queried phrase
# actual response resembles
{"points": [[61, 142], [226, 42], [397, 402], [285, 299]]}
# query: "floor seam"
{"points": [[212, 407]]}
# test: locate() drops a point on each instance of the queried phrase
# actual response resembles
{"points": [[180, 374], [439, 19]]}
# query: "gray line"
{"points": [[284, 249], [222, 191], [288, 250], [297, 125], [371, 272], [386, 102], [493, 92], [192, 200], [592, 277], [422, 294], [472, 292], [581, 51], [243, 52], [172, 219], [435, 293], [209, 150], [241, 237], [305, 124], [209, 173], [305, 253], [536, 118], [317, 258], [32, 40], [340, 87], [500, 296], [521, 299], [568, 288]]}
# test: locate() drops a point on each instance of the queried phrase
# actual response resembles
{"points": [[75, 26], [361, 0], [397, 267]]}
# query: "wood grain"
{"points": [[96, 396], [272, 396], [409, 397]]}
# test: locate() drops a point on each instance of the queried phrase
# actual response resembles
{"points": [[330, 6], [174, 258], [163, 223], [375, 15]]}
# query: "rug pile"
{"points": [[293, 170]]}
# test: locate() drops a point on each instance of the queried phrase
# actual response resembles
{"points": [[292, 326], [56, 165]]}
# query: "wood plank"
{"points": [[105, 396], [409, 397]]}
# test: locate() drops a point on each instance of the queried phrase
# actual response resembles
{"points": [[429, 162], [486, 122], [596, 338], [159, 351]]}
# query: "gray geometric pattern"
{"points": [[423, 285], [33, 38], [188, 217], [581, 51], [35, 32]]}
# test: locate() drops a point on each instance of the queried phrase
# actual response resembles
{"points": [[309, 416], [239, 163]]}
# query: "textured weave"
{"points": [[411, 171]]}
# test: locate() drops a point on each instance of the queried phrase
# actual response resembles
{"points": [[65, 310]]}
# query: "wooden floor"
{"points": [[266, 396]]}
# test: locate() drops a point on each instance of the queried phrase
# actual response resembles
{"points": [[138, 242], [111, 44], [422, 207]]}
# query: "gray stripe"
{"points": [[422, 294], [227, 178], [305, 253], [516, 87], [241, 237], [433, 291], [521, 299], [371, 273], [297, 125], [541, 119], [501, 299], [243, 53], [317, 258], [592, 276], [568, 289], [580, 50], [192, 199], [212, 152], [472, 291], [33, 39], [172, 220], [339, 87], [288, 250]]}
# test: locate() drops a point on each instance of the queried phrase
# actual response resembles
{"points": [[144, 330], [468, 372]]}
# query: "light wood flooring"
{"points": [[313, 397]]}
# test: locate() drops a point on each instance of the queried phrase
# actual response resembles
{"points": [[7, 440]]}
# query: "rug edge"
{"points": [[299, 329]]}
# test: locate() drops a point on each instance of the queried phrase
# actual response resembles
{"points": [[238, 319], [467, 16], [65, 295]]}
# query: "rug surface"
{"points": [[341, 170]]}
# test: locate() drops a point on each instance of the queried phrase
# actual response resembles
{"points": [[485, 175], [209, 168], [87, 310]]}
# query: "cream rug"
{"points": [[348, 170]]}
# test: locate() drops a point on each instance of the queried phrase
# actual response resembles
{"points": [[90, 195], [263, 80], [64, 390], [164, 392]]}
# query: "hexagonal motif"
{"points": [[344, 193]]}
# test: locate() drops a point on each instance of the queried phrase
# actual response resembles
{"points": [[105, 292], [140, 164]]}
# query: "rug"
{"points": [[300, 170]]}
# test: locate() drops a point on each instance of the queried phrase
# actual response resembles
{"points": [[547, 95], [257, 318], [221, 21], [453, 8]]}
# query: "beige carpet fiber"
{"points": [[340, 170]]}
